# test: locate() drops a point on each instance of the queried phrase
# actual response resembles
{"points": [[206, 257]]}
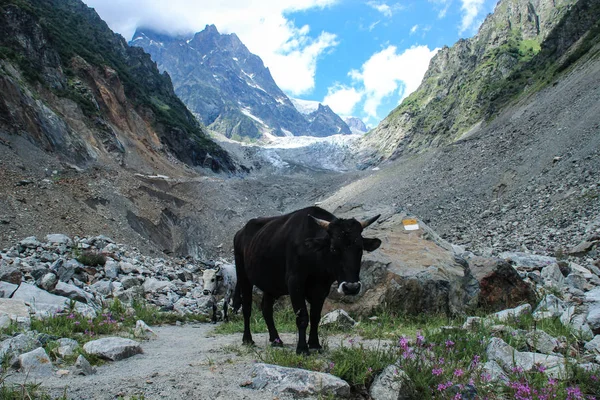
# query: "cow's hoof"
{"points": [[303, 352], [316, 349], [277, 343], [214, 321], [249, 343]]}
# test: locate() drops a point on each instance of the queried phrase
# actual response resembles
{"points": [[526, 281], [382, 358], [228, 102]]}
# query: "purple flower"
{"points": [[76, 322], [71, 316], [420, 339], [541, 368], [403, 343], [437, 371], [476, 359], [458, 372], [443, 386], [449, 343], [574, 393]]}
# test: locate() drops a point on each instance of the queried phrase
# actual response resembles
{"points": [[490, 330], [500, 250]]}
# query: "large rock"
{"points": [[575, 317], [154, 285], [508, 358], [512, 313], [11, 274], [409, 272], [7, 289], [297, 382], [36, 362], [337, 318], [66, 347], [83, 367], [17, 345], [16, 311], [58, 239], [113, 348], [500, 284], [44, 304], [72, 292], [143, 331], [550, 307], [392, 384], [541, 341], [528, 261]]}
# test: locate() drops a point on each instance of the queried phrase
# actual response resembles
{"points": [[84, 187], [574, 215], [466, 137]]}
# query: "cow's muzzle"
{"points": [[349, 289], [206, 292]]}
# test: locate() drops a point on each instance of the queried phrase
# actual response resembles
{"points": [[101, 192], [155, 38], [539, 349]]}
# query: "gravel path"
{"points": [[185, 362]]}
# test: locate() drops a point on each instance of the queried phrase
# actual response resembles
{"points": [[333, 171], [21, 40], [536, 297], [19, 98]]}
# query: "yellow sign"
{"points": [[410, 224]]}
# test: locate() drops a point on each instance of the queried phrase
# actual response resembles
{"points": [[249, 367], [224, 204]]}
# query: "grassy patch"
{"points": [[441, 363], [114, 319]]}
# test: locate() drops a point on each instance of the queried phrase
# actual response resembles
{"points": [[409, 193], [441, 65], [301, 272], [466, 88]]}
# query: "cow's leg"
{"points": [[246, 292], [225, 317], [267, 311], [214, 313], [299, 305], [316, 305]]}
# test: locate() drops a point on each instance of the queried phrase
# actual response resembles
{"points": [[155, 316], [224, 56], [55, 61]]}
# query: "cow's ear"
{"points": [[371, 244], [316, 244]]}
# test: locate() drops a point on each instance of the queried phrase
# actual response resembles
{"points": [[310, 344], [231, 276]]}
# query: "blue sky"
{"points": [[359, 57]]}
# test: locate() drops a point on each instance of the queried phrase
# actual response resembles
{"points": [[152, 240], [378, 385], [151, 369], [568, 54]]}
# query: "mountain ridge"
{"points": [[229, 89], [468, 83]]}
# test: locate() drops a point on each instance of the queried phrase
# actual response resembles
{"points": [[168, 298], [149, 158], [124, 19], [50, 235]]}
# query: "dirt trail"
{"points": [[185, 362]]}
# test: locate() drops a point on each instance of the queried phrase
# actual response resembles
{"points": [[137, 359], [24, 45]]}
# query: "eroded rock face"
{"points": [[500, 284]]}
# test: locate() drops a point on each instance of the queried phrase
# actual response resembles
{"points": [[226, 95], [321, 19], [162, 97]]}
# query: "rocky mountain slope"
{"points": [[515, 52], [355, 124], [229, 89], [527, 180], [73, 87], [93, 140]]}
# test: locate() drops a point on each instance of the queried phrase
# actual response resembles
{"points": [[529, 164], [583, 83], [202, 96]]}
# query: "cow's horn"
{"points": [[369, 221], [321, 222], [218, 269]]}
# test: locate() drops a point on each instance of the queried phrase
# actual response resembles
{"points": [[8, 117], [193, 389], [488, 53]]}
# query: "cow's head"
{"points": [[212, 278], [345, 245]]}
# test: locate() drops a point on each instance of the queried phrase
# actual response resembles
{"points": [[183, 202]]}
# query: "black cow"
{"points": [[300, 254]]}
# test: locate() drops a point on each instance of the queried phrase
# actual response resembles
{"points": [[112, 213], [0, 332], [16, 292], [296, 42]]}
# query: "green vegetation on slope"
{"points": [[473, 81], [73, 29]]}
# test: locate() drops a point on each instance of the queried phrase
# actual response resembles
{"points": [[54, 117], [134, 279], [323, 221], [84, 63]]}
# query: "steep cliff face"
{"points": [[73, 87], [467, 84], [229, 89]]}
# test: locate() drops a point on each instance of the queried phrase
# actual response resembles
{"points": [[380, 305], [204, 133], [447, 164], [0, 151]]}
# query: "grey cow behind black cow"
{"points": [[220, 282], [300, 254]]}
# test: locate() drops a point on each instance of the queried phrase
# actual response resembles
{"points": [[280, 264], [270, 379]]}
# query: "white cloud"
{"points": [[442, 7], [342, 99], [382, 8], [471, 9], [290, 52], [413, 30], [388, 72]]}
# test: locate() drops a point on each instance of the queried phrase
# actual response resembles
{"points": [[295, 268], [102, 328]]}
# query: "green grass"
{"points": [[439, 362], [114, 319]]}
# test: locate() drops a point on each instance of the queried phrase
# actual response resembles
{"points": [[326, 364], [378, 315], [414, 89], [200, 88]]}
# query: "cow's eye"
{"points": [[212, 280]]}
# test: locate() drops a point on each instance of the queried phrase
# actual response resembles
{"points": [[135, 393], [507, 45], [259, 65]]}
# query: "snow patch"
{"points": [[305, 106]]}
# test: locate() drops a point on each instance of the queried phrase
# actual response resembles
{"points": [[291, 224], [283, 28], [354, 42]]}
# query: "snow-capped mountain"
{"points": [[229, 89]]}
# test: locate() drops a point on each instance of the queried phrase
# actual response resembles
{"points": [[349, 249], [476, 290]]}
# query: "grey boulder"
{"points": [[113, 348], [297, 382]]}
